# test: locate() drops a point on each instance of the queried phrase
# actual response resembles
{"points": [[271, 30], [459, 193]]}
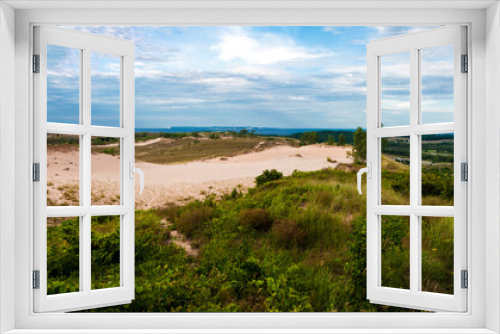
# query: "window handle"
{"points": [[133, 170], [368, 171]]}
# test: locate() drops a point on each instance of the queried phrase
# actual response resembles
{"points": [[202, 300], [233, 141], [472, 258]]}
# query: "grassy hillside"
{"points": [[205, 146], [296, 244]]}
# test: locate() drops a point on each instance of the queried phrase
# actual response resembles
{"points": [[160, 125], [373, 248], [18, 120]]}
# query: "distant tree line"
{"points": [[330, 137]]}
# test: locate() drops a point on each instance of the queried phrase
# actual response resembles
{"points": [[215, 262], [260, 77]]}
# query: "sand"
{"points": [[180, 183]]}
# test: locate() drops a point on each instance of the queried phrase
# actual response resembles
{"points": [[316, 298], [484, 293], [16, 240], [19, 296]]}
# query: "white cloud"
{"points": [[262, 49], [298, 98], [176, 101]]}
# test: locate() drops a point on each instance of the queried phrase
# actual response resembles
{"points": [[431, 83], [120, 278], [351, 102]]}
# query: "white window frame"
{"points": [[483, 314], [413, 43], [86, 44]]}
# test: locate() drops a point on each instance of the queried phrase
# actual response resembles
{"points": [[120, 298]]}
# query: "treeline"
{"points": [[331, 137]]}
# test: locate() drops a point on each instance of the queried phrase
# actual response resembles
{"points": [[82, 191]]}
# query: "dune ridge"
{"points": [[180, 183]]}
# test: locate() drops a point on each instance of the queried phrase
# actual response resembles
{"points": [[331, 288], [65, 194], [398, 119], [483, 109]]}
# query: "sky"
{"points": [[289, 77]]}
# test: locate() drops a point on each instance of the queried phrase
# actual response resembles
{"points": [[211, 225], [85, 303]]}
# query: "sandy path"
{"points": [[180, 183]]}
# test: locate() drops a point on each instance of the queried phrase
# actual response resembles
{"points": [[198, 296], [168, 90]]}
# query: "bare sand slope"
{"points": [[194, 180]]}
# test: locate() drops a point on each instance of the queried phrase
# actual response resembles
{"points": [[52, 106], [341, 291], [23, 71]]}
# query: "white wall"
{"points": [[7, 159], [492, 164], [281, 17]]}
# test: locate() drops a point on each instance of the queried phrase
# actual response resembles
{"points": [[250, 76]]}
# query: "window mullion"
{"points": [[86, 178], [414, 170]]}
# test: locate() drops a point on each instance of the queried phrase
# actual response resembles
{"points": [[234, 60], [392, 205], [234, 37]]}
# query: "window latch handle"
{"points": [[368, 171], [132, 171]]}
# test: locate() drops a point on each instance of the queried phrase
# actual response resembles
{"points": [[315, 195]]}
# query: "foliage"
{"points": [[326, 136], [268, 176], [309, 138], [257, 219], [110, 151], [297, 244], [192, 221], [190, 148], [342, 140], [359, 148]]}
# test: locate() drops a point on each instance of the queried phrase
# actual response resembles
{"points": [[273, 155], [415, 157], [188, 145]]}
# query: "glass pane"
{"points": [[63, 170], [395, 89], [63, 255], [437, 254], [396, 252], [105, 171], [105, 90], [63, 84], [437, 71], [437, 169], [105, 252], [395, 169]]}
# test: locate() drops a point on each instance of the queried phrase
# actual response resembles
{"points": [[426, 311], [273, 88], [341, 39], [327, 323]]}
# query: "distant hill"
{"points": [[257, 130], [324, 134]]}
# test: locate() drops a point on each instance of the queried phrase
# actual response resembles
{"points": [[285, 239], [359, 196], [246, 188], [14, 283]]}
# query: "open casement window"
{"points": [[416, 95], [67, 122]]}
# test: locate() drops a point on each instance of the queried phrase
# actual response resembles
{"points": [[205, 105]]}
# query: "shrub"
{"points": [[110, 151], [289, 234], [214, 135], [268, 176], [192, 222], [257, 219]]}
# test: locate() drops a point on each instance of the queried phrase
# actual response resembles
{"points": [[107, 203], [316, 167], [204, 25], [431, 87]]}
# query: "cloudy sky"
{"points": [[250, 76]]}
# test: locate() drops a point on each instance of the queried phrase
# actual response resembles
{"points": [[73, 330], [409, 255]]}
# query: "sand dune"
{"points": [[184, 182]]}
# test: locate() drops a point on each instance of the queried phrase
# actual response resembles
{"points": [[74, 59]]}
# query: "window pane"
{"points": [[105, 89], [63, 84], [105, 252], [395, 169], [105, 171], [396, 252], [63, 255], [437, 254], [437, 71], [437, 169], [395, 89], [63, 170]]}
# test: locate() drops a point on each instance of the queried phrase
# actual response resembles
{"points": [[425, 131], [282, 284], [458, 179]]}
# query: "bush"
{"points": [[110, 151], [192, 222], [257, 219], [268, 176], [289, 234]]}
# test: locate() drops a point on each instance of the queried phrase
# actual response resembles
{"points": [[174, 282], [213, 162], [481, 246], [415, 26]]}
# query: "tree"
{"points": [[268, 176], [331, 140], [342, 139], [309, 138], [359, 149], [243, 132]]}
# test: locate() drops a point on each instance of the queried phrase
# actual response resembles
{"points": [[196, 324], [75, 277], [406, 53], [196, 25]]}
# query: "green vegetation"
{"points": [[58, 139], [293, 244], [328, 136], [309, 138], [359, 149], [342, 140], [191, 149], [268, 176]]}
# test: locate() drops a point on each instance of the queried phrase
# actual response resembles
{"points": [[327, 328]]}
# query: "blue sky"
{"points": [[248, 76]]}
